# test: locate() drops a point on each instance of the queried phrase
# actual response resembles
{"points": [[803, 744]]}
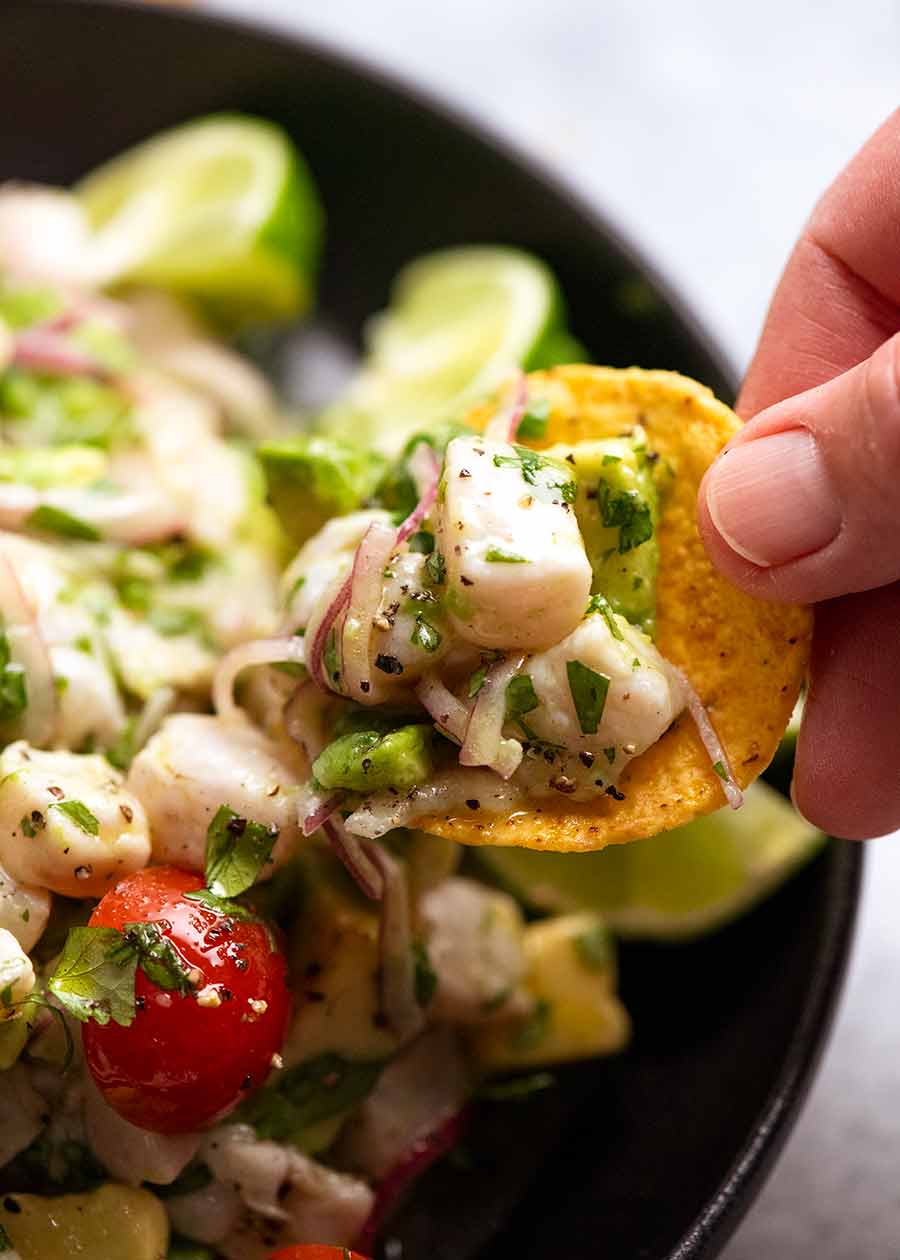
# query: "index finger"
{"points": [[839, 296]]}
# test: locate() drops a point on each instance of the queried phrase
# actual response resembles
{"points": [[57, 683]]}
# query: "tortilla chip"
{"points": [[745, 657]]}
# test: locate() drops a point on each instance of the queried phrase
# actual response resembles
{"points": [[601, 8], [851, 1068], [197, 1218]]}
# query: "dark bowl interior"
{"points": [[656, 1154]]}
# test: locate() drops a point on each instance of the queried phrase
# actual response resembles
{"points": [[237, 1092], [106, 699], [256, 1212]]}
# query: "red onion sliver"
{"points": [[28, 650], [303, 719], [350, 851], [319, 628], [321, 808], [715, 749], [428, 493], [504, 426], [41, 349], [484, 744], [447, 1134], [366, 584], [404, 1015], [257, 652], [448, 712]]}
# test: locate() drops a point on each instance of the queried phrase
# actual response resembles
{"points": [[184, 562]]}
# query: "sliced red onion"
{"points": [[449, 713], [319, 628], [504, 426], [404, 1015], [715, 749], [357, 862], [41, 349], [366, 584], [447, 1134], [257, 652], [28, 650], [484, 744], [316, 808], [303, 719], [427, 471]]}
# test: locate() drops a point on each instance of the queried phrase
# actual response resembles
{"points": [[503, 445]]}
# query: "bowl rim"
{"points": [[740, 1184]]}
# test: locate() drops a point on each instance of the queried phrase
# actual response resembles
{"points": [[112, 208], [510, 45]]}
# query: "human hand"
{"points": [[804, 504]]}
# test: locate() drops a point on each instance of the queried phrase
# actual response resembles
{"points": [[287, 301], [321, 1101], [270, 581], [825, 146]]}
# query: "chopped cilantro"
{"points": [[610, 753], [588, 690], [497, 555], [600, 604], [476, 681], [519, 1087], [533, 424], [538, 472], [219, 905], [94, 978], [78, 813], [721, 770], [425, 635], [158, 958], [331, 659], [54, 520], [521, 697], [422, 542], [237, 849], [436, 568], [172, 622], [302, 1096], [611, 459], [629, 513]]}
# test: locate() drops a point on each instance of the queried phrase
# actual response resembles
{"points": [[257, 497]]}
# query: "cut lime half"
{"points": [[222, 210], [674, 886], [459, 322]]}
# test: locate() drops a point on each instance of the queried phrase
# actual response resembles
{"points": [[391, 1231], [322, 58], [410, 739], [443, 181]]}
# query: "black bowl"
{"points": [[656, 1154]]}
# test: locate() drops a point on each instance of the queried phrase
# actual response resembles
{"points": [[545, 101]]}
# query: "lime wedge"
{"points": [[459, 322], [674, 886], [222, 210]]}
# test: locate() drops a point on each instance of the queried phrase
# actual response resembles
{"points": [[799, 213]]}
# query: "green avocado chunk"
{"points": [[617, 507], [369, 761], [312, 478]]}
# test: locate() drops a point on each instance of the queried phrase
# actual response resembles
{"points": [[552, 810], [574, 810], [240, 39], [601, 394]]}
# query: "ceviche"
{"points": [[291, 704]]}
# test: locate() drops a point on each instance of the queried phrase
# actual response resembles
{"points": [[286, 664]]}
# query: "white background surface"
{"points": [[709, 128]]}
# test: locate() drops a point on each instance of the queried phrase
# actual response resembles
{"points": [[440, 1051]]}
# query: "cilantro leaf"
{"points": [[436, 568], [304, 1095], [158, 958], [78, 813], [94, 978], [236, 851], [539, 472], [721, 770], [518, 1087], [588, 689], [220, 905], [497, 555], [54, 520], [13, 686], [5, 1240], [521, 697], [425, 635], [422, 542], [600, 604], [629, 513], [476, 681], [533, 424]]}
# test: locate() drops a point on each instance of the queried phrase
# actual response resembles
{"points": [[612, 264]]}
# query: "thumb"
{"points": [[804, 503]]}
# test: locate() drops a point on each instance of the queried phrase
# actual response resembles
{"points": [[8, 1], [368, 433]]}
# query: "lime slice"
{"points": [[222, 210], [674, 886], [459, 322]]}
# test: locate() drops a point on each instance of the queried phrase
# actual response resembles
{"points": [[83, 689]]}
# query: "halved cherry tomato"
{"points": [[315, 1251], [187, 1060]]}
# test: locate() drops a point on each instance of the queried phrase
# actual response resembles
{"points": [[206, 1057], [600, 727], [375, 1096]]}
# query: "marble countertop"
{"points": [[709, 130]]}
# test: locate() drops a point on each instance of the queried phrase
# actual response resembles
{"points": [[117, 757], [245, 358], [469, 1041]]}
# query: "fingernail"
{"points": [[772, 500]]}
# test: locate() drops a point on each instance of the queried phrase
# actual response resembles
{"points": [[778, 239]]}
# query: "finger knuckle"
{"points": [[881, 405]]}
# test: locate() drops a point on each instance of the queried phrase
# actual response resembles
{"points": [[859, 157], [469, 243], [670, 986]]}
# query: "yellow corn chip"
{"points": [[745, 657]]}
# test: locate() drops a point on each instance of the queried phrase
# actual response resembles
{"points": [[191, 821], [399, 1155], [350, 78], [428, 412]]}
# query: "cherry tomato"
{"points": [[187, 1060], [315, 1251]]}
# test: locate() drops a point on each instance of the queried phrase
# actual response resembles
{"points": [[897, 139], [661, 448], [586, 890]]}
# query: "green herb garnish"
{"points": [[594, 947], [425, 635], [436, 568], [626, 511], [600, 604], [78, 813], [497, 555], [237, 849], [426, 979], [94, 978], [588, 690], [53, 520], [521, 697], [302, 1096], [533, 424], [13, 686]]}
